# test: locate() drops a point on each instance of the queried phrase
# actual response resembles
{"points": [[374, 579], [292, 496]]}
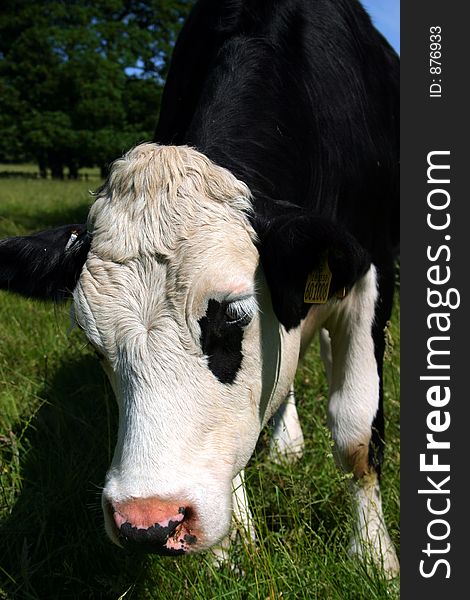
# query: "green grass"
{"points": [[57, 430], [33, 170], [19, 168]]}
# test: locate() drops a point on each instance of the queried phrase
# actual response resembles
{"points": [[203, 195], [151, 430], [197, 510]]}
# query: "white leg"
{"points": [[242, 522], [287, 442], [370, 539], [354, 397], [325, 353], [242, 516]]}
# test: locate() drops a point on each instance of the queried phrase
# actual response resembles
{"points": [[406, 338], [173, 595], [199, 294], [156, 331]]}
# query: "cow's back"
{"points": [[299, 99]]}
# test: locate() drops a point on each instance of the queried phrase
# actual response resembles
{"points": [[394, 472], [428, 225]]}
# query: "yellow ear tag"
{"points": [[318, 284]]}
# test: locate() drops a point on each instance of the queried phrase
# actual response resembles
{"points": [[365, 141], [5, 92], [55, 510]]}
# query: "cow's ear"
{"points": [[293, 246], [44, 265]]}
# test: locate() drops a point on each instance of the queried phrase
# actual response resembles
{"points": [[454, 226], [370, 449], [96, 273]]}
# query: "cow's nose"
{"points": [[154, 525]]}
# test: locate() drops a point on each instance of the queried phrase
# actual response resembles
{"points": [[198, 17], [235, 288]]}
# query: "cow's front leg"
{"points": [[287, 442], [353, 406], [370, 539], [242, 517], [242, 522]]}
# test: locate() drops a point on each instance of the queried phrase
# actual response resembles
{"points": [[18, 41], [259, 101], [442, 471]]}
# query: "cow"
{"points": [[264, 210]]}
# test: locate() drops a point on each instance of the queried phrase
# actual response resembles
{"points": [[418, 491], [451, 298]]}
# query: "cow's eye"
{"points": [[241, 312]]}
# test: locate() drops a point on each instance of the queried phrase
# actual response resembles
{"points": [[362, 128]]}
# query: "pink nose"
{"points": [[154, 525]]}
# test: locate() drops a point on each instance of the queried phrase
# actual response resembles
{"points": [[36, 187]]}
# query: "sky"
{"points": [[386, 17]]}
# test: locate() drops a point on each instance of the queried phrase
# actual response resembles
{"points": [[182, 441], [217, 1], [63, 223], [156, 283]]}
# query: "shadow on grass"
{"points": [[53, 543], [306, 497]]}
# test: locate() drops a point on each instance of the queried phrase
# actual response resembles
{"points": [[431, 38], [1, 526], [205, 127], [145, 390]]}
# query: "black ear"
{"points": [[44, 265], [293, 245]]}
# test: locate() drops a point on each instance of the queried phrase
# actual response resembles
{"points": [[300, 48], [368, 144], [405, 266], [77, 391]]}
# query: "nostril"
{"points": [[152, 539], [153, 525]]}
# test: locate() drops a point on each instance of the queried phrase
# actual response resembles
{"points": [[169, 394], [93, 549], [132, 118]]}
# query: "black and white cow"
{"points": [[266, 210]]}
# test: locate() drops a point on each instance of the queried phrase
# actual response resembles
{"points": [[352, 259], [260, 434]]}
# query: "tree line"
{"points": [[81, 80]]}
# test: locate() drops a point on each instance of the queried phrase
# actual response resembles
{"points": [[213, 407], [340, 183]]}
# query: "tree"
{"points": [[80, 81]]}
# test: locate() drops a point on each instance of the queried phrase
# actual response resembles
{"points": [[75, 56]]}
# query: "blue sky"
{"points": [[386, 17]]}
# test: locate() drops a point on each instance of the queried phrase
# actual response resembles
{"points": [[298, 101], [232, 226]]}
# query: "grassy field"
{"points": [[57, 432], [32, 170]]}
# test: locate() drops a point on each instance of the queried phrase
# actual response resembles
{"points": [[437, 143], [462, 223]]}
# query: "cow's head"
{"points": [[170, 297], [168, 288]]}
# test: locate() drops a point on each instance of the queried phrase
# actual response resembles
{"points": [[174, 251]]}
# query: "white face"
{"points": [[184, 324]]}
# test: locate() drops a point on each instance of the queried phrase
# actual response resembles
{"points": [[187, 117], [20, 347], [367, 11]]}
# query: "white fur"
{"points": [[354, 386], [242, 523], [325, 353], [241, 510], [348, 350], [157, 196], [170, 231], [287, 442], [370, 539]]}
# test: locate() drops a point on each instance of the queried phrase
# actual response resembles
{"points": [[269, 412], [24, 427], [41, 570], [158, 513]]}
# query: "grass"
{"points": [[32, 170], [57, 430]]}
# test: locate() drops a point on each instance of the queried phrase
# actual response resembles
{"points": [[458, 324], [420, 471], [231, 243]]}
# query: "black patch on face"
{"points": [[221, 342]]}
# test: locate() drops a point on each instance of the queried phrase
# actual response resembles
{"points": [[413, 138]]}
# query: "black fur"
{"points": [[300, 100], [221, 342], [38, 265], [292, 246]]}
